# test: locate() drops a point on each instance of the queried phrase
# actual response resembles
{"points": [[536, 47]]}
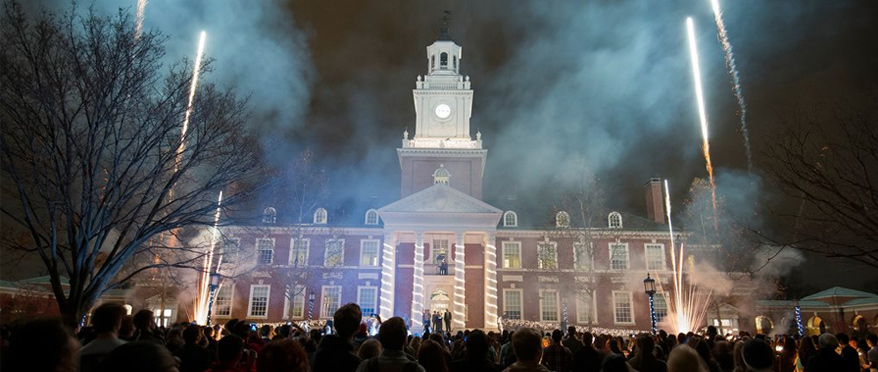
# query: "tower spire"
{"points": [[443, 33]]}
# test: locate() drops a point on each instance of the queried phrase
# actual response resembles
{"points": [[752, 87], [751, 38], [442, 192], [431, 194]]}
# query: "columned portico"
{"points": [[491, 309], [418, 283], [459, 282], [388, 272]]}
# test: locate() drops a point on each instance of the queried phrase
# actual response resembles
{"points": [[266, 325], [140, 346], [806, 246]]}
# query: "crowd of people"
{"points": [[115, 341]]}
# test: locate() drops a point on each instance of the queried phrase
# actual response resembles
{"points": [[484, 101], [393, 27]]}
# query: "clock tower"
{"points": [[443, 102]]}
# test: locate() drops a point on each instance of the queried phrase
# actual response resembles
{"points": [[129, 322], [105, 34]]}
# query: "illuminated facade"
{"points": [[440, 246]]}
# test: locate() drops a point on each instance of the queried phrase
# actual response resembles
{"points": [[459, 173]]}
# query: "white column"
{"points": [[459, 283], [490, 282], [388, 272], [418, 284]]}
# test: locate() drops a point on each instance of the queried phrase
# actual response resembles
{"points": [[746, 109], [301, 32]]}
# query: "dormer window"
{"points": [[371, 217], [269, 216], [443, 61], [441, 175], [614, 220], [562, 219], [510, 219], [320, 216]]}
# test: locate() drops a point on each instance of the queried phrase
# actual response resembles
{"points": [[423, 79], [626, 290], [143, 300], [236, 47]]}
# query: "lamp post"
{"points": [[310, 307], [649, 288], [214, 284]]}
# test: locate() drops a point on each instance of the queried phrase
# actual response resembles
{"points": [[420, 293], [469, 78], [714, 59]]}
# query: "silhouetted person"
{"points": [[336, 352], [392, 335], [107, 320], [645, 360]]}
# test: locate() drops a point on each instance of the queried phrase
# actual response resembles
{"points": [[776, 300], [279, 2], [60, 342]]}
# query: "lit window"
{"points": [[265, 251], [299, 252], [297, 311], [583, 259], [368, 252], [562, 219], [512, 303], [655, 257], [258, 301], [512, 255], [548, 305], [510, 219], [622, 307], [440, 250], [618, 256], [269, 216], [222, 304], [367, 298], [583, 306], [320, 216], [615, 220], [441, 175], [331, 301], [372, 217], [334, 253], [547, 256], [661, 306]]}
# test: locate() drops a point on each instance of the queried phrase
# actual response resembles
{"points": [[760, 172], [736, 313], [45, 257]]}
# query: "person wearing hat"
{"points": [[826, 358]]}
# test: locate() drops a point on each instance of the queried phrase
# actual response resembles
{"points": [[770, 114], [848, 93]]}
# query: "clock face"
{"points": [[443, 111]]}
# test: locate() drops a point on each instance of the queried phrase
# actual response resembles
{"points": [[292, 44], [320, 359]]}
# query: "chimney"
{"points": [[654, 200]]}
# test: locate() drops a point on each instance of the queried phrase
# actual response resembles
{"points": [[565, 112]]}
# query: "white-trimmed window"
{"points": [[299, 251], [661, 306], [655, 257], [320, 216], [269, 216], [512, 303], [371, 217], [230, 249], [562, 219], [584, 306], [512, 255], [439, 251], [549, 305], [441, 175], [369, 252], [331, 301], [622, 307], [583, 257], [222, 304], [265, 251], [258, 301], [614, 220], [367, 298], [334, 253], [298, 295], [618, 256], [510, 219], [547, 255]]}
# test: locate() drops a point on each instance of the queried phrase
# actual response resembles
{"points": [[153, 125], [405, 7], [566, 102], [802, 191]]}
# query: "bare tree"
{"points": [[92, 152], [828, 165]]}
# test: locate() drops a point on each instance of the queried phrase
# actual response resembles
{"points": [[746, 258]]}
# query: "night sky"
{"points": [[607, 81]]}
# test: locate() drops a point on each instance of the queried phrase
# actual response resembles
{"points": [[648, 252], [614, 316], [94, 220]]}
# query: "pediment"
{"points": [[439, 198]]}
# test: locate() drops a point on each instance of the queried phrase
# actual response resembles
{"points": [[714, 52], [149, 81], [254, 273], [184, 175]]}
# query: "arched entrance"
{"points": [[859, 323], [764, 325], [439, 300]]}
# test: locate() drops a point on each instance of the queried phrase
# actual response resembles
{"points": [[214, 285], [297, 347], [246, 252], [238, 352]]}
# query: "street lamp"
{"points": [[310, 306], [214, 284], [649, 288]]}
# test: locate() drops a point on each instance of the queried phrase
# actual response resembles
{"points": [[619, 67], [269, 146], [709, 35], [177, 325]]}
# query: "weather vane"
{"points": [[445, 18]]}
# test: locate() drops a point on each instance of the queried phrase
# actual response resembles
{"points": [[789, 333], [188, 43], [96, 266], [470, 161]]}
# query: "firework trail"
{"points": [[204, 285], [702, 115], [141, 10], [192, 88], [736, 80], [688, 307]]}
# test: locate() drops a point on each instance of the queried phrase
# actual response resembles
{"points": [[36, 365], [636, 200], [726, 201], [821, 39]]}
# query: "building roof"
{"points": [[838, 292], [44, 280]]}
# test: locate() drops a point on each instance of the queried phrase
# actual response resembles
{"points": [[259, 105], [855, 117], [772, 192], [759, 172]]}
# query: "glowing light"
{"points": [[418, 295], [203, 296], [688, 307], [491, 279], [387, 281], [459, 284], [702, 115], [141, 14], [736, 79], [193, 87]]}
